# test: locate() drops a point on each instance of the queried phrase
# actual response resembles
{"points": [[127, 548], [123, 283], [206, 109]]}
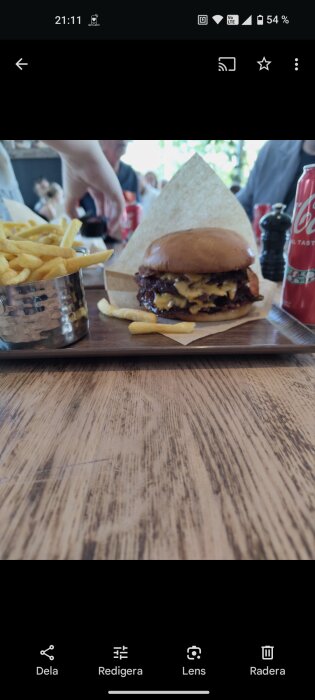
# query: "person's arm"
{"points": [[246, 196], [137, 186], [85, 168]]}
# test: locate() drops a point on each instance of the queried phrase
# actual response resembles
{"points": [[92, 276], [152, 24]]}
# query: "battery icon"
{"points": [[260, 19]]}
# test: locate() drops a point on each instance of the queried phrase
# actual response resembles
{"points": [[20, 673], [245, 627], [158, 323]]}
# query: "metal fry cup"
{"points": [[51, 314]]}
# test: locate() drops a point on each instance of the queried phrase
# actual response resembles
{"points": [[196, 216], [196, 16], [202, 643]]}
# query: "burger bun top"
{"points": [[201, 250]]}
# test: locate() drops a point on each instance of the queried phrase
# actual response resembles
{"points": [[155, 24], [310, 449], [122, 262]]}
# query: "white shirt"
{"points": [[147, 198]]}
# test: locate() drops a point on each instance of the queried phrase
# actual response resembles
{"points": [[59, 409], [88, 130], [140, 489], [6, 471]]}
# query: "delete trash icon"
{"points": [[267, 653]]}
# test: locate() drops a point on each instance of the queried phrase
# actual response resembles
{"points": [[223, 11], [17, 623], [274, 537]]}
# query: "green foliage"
{"points": [[232, 155], [204, 147]]}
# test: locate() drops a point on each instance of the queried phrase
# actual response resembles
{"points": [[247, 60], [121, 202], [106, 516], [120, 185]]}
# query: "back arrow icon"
{"points": [[19, 64]]}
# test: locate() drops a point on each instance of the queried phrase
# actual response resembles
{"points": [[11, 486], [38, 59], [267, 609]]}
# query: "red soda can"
{"points": [[298, 294], [259, 211], [131, 221]]}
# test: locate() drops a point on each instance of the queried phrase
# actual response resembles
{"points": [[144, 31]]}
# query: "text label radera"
{"points": [[267, 671]]}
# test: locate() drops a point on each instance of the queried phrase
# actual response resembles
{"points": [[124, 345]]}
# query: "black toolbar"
{"points": [[164, 21]]}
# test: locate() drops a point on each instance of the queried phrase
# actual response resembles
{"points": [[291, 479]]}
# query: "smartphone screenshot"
{"points": [[157, 319]]}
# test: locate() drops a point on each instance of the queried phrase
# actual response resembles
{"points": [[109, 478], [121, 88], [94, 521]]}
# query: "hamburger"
{"points": [[198, 275]]}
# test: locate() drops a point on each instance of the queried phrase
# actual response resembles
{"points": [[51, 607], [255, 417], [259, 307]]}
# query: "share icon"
{"points": [[44, 652]]}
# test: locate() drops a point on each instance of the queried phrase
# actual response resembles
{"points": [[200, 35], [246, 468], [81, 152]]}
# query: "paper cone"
{"points": [[20, 212]]}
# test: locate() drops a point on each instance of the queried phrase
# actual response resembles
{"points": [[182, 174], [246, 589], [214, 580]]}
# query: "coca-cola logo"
{"points": [[304, 220]]}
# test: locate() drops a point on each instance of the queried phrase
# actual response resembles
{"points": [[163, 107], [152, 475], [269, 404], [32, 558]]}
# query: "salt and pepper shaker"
{"points": [[275, 231]]}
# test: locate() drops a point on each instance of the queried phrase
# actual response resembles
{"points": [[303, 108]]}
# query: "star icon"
{"points": [[264, 64]]}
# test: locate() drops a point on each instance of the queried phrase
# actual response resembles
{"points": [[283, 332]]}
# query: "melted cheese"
{"points": [[201, 305], [195, 278], [167, 301], [190, 291], [196, 290]]}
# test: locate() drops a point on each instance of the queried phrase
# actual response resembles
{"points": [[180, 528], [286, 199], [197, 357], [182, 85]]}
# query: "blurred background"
{"points": [[232, 161]]}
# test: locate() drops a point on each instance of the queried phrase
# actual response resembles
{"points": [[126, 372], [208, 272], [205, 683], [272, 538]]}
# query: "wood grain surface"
{"points": [[109, 337], [169, 458]]}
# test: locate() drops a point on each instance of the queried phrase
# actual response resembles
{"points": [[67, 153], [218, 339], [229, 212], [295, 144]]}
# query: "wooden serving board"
{"points": [[108, 337]]}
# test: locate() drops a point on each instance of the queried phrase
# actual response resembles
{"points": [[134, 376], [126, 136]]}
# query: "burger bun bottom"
{"points": [[230, 315]]}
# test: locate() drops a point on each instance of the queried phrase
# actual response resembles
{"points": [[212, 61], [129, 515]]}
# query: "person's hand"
{"points": [[48, 212], [93, 174]]}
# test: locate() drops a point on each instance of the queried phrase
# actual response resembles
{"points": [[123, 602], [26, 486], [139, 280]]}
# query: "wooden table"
{"points": [[205, 458]]}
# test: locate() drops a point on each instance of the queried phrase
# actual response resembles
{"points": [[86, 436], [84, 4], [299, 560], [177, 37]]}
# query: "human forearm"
{"points": [[85, 169], [89, 165], [75, 148]]}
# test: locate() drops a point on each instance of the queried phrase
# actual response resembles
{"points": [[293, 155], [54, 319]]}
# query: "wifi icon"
{"points": [[217, 18]]}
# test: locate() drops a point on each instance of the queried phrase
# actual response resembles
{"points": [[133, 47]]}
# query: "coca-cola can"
{"points": [[298, 294], [131, 220], [259, 211]]}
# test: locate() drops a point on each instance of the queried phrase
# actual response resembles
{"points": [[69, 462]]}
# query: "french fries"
{"points": [[87, 260], [18, 278], [128, 314], [17, 247], [3, 236], [4, 265], [70, 233], [143, 321], [57, 270], [41, 272], [140, 328], [25, 258], [62, 234], [7, 276], [35, 231]]}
